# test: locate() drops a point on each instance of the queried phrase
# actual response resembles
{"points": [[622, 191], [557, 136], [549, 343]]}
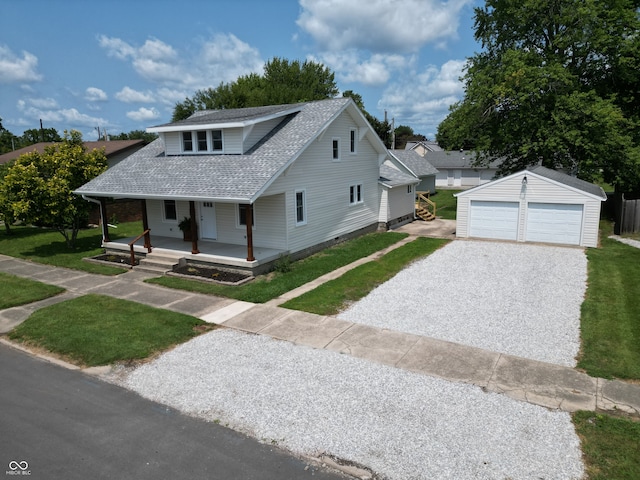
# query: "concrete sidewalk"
{"points": [[540, 383]]}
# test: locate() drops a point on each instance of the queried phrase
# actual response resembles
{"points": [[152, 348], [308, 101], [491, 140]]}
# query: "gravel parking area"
{"points": [[518, 299], [399, 424]]}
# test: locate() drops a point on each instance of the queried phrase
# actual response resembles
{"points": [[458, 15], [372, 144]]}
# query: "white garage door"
{"points": [[554, 223], [494, 220]]}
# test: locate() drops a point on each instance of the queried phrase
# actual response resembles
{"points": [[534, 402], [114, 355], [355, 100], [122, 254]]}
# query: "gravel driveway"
{"points": [[518, 299], [400, 424]]}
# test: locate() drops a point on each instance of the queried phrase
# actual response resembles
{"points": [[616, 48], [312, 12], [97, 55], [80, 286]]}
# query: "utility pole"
{"points": [[41, 131]]}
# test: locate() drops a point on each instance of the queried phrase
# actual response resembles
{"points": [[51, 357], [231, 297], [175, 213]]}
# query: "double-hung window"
{"points": [[242, 214], [202, 141], [335, 149], [301, 207], [170, 211], [353, 137], [187, 142], [355, 194], [216, 140]]}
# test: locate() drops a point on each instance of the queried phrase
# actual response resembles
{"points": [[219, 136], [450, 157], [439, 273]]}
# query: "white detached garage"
{"points": [[534, 205]]}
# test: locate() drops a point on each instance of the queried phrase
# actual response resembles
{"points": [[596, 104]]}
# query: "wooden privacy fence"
{"points": [[629, 215]]}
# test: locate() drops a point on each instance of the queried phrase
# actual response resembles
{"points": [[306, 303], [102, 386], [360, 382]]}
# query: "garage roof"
{"points": [[549, 174]]}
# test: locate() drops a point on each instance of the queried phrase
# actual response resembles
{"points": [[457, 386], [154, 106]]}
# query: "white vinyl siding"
{"points": [[157, 224], [327, 183]]}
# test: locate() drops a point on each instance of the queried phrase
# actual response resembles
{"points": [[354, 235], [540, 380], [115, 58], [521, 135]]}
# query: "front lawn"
{"points": [[47, 246], [610, 317], [99, 330], [610, 445], [267, 287], [16, 291], [332, 297]]}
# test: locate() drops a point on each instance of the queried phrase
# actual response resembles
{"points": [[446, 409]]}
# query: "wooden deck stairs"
{"points": [[425, 207]]}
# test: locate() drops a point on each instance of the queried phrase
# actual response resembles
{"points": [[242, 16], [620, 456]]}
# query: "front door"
{"points": [[208, 220]]}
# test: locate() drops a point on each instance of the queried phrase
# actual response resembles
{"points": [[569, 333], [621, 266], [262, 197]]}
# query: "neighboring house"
{"points": [[419, 167], [259, 183], [534, 205], [397, 195], [115, 150], [456, 169], [422, 147]]}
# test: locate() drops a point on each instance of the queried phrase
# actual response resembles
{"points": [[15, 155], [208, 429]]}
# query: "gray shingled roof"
{"points": [[456, 159], [235, 115], [418, 164], [148, 173], [568, 180], [392, 177]]}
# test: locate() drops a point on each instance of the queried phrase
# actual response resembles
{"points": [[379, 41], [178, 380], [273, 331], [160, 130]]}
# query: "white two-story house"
{"points": [[258, 183]]}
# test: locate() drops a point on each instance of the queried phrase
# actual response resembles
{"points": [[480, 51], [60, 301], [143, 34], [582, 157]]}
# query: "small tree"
{"points": [[6, 210], [40, 186]]}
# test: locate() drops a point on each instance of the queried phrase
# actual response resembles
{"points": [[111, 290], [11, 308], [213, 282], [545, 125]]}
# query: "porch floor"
{"points": [[210, 251]]}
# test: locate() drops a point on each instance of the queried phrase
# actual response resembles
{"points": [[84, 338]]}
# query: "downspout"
{"points": [[105, 228]]}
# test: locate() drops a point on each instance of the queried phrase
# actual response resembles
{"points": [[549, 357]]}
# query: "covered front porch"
{"points": [[223, 255]]}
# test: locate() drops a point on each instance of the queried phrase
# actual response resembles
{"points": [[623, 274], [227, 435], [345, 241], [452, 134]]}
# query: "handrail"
{"points": [[147, 245], [429, 203]]}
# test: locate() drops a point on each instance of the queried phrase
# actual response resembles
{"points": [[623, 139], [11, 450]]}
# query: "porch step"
{"points": [[425, 214], [154, 263]]}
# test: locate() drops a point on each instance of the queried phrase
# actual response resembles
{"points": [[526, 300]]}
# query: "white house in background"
{"points": [[260, 182], [534, 205], [417, 166], [421, 147], [456, 169]]}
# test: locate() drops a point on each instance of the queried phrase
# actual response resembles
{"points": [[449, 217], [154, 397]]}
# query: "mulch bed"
{"points": [[210, 273]]}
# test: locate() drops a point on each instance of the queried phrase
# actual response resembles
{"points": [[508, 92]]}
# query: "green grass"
{"points": [[610, 315], [610, 446], [446, 203], [331, 297], [49, 247], [16, 291], [98, 330], [267, 287]]}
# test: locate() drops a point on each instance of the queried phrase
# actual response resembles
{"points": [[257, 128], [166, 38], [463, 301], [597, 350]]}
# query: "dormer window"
{"points": [[202, 141]]}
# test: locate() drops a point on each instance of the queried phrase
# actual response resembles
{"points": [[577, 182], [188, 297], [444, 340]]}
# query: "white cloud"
{"points": [[422, 99], [380, 26], [129, 95], [143, 114], [352, 66], [47, 110], [220, 59], [14, 69], [93, 94], [170, 96]]}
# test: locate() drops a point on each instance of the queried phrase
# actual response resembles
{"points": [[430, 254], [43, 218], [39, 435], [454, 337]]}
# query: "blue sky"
{"points": [[122, 65]]}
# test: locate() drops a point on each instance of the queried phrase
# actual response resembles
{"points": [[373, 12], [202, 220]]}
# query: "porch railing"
{"points": [[147, 245]]}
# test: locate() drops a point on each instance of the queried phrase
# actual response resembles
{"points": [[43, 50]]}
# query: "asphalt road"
{"points": [[68, 425]]}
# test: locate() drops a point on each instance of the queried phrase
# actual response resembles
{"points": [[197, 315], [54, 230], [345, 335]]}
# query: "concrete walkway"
{"points": [[544, 384]]}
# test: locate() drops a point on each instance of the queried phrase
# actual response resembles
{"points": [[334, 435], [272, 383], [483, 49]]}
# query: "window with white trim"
{"points": [[335, 149], [353, 139], [169, 211], [355, 194], [301, 207], [242, 214], [202, 141]]}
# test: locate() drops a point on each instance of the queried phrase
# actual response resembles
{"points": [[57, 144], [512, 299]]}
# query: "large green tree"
{"points": [[283, 82], [39, 186], [556, 82]]}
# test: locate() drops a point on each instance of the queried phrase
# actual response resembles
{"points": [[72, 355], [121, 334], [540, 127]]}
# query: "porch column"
{"points": [[103, 220], [145, 225], [194, 227], [249, 221]]}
